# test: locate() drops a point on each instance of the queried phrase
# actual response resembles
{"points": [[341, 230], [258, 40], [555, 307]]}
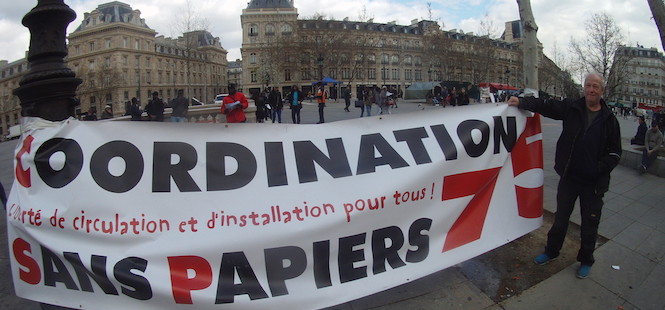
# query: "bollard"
{"points": [[48, 90]]}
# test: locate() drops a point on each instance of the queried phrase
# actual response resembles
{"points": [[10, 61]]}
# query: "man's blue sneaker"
{"points": [[542, 259], [583, 271]]}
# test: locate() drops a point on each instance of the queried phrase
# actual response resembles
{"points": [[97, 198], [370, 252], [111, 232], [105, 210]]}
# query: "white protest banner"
{"points": [[144, 215]]}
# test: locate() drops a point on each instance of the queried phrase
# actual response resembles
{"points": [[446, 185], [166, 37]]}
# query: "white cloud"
{"points": [[14, 40]]}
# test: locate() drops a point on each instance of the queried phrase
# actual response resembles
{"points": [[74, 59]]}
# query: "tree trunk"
{"points": [[529, 45], [658, 12]]}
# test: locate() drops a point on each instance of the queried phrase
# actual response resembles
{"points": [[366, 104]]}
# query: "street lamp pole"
{"points": [[48, 89], [139, 80], [267, 78], [319, 61]]}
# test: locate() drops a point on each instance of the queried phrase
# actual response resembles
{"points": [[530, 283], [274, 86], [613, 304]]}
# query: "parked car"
{"points": [[219, 98]]}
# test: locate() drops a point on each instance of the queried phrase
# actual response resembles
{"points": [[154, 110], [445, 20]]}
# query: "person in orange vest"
{"points": [[321, 99]]}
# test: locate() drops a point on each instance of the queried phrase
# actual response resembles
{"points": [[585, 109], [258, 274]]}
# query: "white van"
{"points": [[219, 98]]}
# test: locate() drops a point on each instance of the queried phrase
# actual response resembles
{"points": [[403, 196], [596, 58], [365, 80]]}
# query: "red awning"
{"points": [[498, 86]]}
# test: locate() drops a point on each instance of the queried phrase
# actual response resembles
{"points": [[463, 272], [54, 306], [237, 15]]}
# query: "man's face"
{"points": [[654, 128], [593, 89]]}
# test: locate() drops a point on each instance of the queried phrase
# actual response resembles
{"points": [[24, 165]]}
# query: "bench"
{"points": [[632, 157]]}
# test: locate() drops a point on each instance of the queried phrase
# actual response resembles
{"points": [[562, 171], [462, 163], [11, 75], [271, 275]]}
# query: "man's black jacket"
{"points": [[573, 115]]}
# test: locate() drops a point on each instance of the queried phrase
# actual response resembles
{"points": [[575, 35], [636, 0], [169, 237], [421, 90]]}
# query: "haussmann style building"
{"points": [[640, 83], [280, 50]]}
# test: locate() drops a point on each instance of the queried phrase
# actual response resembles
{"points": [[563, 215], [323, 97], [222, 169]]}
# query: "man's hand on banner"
{"points": [[513, 101]]}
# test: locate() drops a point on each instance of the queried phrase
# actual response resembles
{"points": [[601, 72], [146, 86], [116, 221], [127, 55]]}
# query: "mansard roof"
{"points": [[270, 4], [112, 12]]}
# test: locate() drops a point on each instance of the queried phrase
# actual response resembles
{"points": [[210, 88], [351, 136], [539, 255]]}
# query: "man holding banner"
{"points": [[588, 149]]}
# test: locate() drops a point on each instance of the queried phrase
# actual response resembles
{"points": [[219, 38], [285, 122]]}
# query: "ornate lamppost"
{"points": [[48, 90]]}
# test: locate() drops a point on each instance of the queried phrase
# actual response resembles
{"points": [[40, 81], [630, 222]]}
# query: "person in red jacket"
{"points": [[234, 105]]}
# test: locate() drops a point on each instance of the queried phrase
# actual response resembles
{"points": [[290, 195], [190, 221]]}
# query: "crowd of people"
{"points": [[452, 97], [154, 110]]}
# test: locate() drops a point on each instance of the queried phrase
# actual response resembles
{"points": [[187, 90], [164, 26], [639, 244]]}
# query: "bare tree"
{"points": [[189, 23], [658, 12], [530, 47], [319, 16], [312, 53], [430, 15], [365, 16], [597, 51], [100, 85], [485, 50], [429, 11], [562, 62]]}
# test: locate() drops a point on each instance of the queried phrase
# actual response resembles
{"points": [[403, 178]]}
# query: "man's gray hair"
{"points": [[598, 75]]}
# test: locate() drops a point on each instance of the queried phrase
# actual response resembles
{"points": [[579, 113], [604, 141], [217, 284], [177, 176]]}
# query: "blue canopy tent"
{"points": [[327, 80]]}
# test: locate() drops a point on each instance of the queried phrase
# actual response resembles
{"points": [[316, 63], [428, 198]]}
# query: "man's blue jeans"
{"points": [[276, 113], [178, 119]]}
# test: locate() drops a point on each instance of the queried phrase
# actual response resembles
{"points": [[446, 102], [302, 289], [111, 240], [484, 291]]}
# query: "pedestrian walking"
{"points": [[276, 104], [295, 99], [321, 97], [135, 110], [347, 100], [444, 97], [155, 108], [589, 147], [453, 97], [260, 103], [383, 100], [180, 107], [463, 98], [371, 100]]}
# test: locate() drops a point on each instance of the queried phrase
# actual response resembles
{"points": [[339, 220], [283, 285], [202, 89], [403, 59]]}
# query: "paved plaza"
{"points": [[630, 260]]}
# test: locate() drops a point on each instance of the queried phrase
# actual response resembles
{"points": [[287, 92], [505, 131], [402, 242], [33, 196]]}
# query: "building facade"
{"points": [[278, 49], [119, 57], [235, 73], [642, 77], [10, 106]]}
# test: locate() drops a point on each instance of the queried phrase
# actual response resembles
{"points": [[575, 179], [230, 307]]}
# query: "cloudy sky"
{"points": [[558, 21]]}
